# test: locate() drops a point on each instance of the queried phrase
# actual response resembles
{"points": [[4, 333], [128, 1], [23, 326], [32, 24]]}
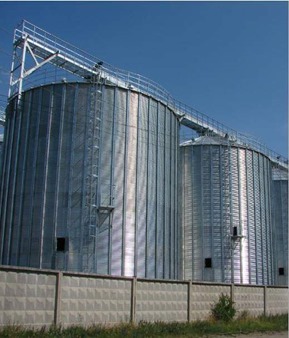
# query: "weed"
{"points": [[244, 315], [224, 309], [208, 328]]}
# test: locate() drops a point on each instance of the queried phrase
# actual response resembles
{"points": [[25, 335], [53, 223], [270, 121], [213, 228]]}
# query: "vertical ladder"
{"points": [[231, 238], [226, 211], [92, 178]]}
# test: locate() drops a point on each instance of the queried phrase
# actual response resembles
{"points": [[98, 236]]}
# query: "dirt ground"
{"points": [[259, 335]]}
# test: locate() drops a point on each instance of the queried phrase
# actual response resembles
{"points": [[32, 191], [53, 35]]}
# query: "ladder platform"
{"points": [[105, 207]]}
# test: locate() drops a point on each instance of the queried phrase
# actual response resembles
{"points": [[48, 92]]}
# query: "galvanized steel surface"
{"points": [[226, 212], [280, 225], [57, 173], [1, 150]]}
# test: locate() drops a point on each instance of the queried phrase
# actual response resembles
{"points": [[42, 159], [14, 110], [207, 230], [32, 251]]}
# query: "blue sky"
{"points": [[227, 59]]}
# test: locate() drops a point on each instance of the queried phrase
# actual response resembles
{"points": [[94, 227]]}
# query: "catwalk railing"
{"points": [[2, 116], [45, 46], [34, 297]]}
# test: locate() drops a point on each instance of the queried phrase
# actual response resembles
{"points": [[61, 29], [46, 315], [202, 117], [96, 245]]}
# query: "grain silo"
{"points": [[90, 181], [226, 212], [280, 223], [91, 175]]}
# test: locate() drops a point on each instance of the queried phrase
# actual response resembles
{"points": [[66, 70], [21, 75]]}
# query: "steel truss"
{"points": [[42, 48]]}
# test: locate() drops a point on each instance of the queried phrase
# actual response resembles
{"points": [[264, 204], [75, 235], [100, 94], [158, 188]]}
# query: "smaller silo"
{"points": [[226, 217], [280, 224]]}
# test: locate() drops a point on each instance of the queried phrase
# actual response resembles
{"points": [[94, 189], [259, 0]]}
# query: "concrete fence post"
{"points": [[189, 300], [265, 300], [133, 300], [232, 292], [57, 307]]}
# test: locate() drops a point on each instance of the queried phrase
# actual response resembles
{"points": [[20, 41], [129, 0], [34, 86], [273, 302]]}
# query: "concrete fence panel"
{"points": [[276, 300], [89, 300], [161, 301], [203, 297], [250, 299], [33, 297], [27, 298]]}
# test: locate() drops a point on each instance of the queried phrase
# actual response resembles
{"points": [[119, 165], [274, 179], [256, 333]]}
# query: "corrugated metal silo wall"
{"points": [[51, 171], [225, 187], [1, 151], [1, 154], [280, 225]]}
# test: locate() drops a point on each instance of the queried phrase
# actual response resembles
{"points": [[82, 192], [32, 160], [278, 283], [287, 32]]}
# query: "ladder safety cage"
{"points": [[226, 190], [92, 178], [95, 204]]}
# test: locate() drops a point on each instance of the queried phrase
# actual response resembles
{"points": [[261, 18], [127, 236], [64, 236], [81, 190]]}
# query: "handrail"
{"points": [[242, 139], [139, 83], [2, 116]]}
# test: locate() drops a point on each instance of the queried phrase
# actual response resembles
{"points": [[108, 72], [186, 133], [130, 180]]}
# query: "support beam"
{"points": [[38, 65]]}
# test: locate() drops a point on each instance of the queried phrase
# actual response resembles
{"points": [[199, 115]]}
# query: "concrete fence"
{"points": [[33, 297]]}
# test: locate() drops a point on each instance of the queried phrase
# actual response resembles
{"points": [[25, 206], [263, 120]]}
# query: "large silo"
{"points": [[90, 181], [226, 216], [280, 223]]}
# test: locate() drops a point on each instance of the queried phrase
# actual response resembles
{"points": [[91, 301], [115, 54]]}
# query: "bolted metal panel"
{"points": [[280, 225], [90, 182], [160, 193], [5, 184], [243, 214], [117, 251], [226, 212], [142, 168], [151, 202], [131, 177], [1, 151]]}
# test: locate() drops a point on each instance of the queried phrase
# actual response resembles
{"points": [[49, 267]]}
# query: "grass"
{"points": [[209, 328]]}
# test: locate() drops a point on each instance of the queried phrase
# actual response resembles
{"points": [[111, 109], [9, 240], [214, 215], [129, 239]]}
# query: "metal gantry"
{"points": [[42, 48]]}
